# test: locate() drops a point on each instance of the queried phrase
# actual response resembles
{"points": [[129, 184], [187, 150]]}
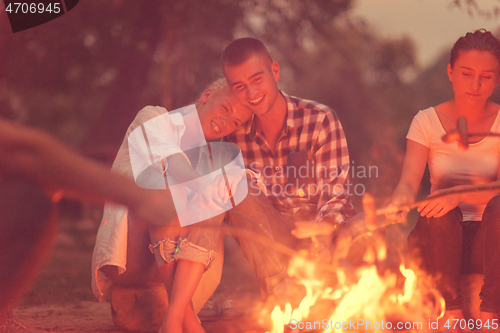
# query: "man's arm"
{"points": [[332, 172], [29, 153]]}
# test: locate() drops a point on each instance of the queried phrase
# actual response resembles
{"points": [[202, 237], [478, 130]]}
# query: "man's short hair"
{"points": [[239, 50]]}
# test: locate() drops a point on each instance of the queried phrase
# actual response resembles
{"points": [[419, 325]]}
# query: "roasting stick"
{"points": [[271, 243], [371, 213], [457, 190], [371, 220]]}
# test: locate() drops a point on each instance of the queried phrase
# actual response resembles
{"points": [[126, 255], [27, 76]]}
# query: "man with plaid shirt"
{"points": [[295, 147]]}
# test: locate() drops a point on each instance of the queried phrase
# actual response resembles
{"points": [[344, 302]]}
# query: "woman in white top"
{"points": [[439, 236]]}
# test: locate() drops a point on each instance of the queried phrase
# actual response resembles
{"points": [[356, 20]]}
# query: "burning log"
{"points": [[372, 303]]}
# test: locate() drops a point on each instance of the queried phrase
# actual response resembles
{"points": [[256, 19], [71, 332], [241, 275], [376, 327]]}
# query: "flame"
{"points": [[299, 265], [278, 320], [359, 299], [409, 285], [373, 298]]}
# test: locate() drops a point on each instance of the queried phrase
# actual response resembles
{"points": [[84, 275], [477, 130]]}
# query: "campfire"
{"points": [[372, 303], [368, 297]]}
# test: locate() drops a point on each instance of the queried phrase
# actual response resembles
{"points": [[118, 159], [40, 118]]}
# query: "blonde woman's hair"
{"points": [[217, 87]]}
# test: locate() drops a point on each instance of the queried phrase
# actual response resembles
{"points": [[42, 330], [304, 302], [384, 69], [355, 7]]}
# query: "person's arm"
{"points": [[332, 166], [473, 194], [334, 206], [29, 153], [413, 169]]}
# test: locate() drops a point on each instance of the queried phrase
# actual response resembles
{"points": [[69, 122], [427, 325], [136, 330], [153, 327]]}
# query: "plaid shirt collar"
{"points": [[292, 119]]}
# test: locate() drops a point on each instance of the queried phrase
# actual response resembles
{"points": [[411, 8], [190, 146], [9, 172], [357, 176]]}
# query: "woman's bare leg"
{"points": [[191, 322], [181, 280]]}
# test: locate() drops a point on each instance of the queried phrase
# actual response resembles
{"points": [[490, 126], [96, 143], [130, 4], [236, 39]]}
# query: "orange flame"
{"points": [[372, 298]]}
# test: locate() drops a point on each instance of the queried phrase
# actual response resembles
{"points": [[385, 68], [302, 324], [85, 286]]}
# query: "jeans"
{"points": [[197, 243], [448, 246]]}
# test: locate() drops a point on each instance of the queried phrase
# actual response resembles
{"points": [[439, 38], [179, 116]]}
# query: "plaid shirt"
{"points": [[306, 176]]}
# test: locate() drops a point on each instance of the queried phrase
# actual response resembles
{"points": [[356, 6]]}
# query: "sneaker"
{"points": [[209, 312]]}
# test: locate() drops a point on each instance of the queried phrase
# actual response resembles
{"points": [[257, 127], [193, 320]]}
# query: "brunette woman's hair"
{"points": [[480, 40]]}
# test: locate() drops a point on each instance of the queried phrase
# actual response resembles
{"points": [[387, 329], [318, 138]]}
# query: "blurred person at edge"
{"points": [[35, 171], [459, 232]]}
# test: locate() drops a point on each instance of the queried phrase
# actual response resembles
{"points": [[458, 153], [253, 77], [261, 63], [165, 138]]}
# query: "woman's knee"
{"points": [[490, 224], [437, 243], [426, 226]]}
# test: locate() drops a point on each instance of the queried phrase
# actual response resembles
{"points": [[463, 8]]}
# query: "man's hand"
{"points": [[209, 196], [214, 194], [319, 248]]}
